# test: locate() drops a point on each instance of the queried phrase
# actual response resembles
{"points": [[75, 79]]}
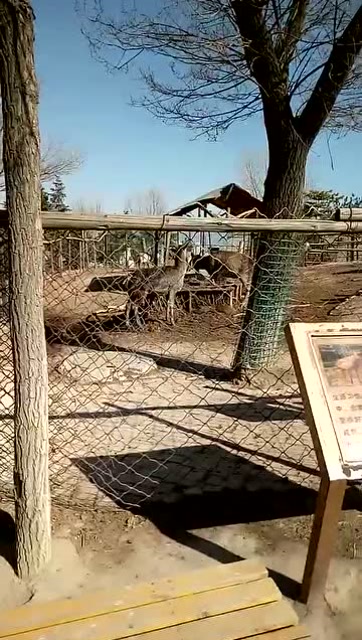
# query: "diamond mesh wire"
{"points": [[150, 414]]}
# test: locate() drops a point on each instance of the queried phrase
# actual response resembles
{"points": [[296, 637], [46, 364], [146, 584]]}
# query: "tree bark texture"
{"points": [[276, 259], [19, 91], [289, 139]]}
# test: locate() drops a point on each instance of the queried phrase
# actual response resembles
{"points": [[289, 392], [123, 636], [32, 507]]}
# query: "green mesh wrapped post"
{"points": [[278, 256]]}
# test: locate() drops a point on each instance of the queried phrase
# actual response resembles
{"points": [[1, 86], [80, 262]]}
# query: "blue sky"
{"points": [[126, 150]]}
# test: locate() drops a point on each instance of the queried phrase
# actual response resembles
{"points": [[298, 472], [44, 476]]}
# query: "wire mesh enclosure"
{"points": [[142, 336]]}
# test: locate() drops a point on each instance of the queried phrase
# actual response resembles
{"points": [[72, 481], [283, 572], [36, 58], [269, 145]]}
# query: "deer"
{"points": [[351, 366], [145, 282], [225, 264]]}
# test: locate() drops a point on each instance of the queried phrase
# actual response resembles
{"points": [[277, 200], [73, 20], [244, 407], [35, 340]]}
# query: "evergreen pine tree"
{"points": [[45, 204], [324, 203], [58, 196]]}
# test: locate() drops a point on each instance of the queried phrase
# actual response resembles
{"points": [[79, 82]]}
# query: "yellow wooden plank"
{"points": [[230, 625], [45, 615], [250, 623], [178, 611], [292, 633]]}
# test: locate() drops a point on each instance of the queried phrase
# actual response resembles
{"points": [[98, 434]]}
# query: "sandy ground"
{"points": [[85, 560], [232, 468]]}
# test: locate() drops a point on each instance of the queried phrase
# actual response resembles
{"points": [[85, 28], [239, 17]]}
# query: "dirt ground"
{"points": [[170, 470], [97, 550], [322, 289]]}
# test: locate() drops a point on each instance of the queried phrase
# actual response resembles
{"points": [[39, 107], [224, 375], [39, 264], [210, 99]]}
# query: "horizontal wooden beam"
{"points": [[102, 222], [349, 214]]}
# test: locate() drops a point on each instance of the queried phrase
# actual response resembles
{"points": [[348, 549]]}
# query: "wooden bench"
{"points": [[223, 602]]}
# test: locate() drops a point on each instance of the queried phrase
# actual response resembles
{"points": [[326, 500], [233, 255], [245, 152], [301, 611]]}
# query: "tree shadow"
{"points": [[7, 538], [238, 412], [254, 409], [202, 486], [288, 586], [185, 489]]}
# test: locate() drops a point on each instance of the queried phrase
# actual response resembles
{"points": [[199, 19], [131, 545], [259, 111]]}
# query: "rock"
{"points": [[88, 366]]}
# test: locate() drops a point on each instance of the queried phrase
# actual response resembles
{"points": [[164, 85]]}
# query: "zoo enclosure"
{"points": [[141, 417]]}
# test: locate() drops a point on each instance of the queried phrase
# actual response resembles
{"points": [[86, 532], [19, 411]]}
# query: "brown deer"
{"points": [[225, 264], [351, 367], [142, 284]]}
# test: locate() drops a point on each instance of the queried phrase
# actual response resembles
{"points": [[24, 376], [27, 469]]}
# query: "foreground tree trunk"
{"points": [[19, 93], [277, 257]]}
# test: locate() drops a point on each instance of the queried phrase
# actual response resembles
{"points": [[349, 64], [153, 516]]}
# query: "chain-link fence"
{"points": [[144, 410]]}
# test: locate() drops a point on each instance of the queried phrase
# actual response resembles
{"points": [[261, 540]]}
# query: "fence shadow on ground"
{"points": [[252, 408], [252, 411], [198, 487]]}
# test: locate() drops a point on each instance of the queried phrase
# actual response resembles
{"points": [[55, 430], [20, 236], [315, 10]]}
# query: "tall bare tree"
{"points": [[253, 172], [150, 202], [21, 156], [55, 160], [221, 61], [254, 167]]}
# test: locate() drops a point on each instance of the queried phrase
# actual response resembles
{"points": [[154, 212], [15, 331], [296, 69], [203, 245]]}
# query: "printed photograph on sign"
{"points": [[339, 359], [342, 363]]}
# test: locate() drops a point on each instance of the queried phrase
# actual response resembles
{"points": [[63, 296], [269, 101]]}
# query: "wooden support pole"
{"points": [[156, 249], [323, 538], [167, 248]]}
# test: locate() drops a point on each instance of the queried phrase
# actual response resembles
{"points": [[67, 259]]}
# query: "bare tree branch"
{"points": [[55, 160], [219, 61], [334, 76], [263, 62], [290, 36], [219, 58]]}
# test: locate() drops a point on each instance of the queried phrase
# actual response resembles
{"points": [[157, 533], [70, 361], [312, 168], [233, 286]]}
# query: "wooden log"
{"points": [[349, 214], [75, 220]]}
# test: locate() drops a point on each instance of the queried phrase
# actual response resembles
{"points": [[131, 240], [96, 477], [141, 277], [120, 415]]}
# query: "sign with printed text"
{"points": [[340, 362], [327, 358]]}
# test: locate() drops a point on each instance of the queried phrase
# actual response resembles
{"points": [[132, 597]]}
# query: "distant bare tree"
{"points": [[253, 172], [55, 160], [150, 202], [84, 206]]}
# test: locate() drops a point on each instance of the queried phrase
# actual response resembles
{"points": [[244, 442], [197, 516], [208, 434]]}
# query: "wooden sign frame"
{"points": [[335, 455]]}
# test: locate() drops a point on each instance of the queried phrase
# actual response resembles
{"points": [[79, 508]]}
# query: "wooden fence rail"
{"points": [[74, 220]]}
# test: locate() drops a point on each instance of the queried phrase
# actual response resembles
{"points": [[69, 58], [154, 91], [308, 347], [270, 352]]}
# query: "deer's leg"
{"points": [[350, 375], [171, 307], [139, 322], [168, 319], [128, 312], [358, 371]]}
